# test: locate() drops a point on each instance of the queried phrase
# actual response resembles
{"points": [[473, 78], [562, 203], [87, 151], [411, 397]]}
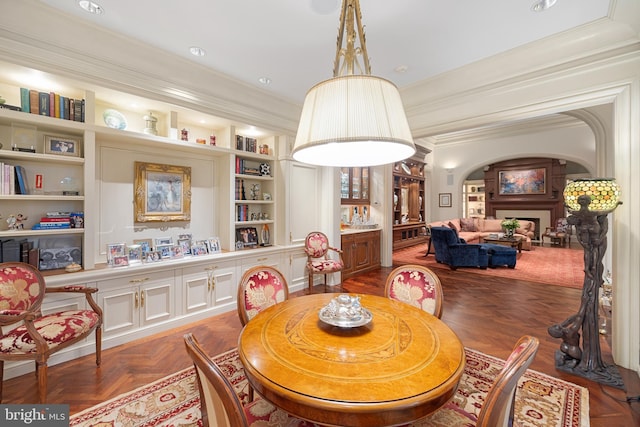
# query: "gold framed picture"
{"points": [[162, 192]]}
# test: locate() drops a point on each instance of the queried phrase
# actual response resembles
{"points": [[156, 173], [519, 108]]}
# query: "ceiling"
{"points": [[292, 42]]}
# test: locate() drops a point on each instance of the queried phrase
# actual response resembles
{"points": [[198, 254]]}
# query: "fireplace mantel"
{"points": [[551, 200]]}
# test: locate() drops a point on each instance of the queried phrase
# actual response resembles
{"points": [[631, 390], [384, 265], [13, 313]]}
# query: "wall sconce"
{"points": [[589, 202]]}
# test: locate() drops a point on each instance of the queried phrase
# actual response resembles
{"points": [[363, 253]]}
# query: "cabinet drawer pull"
{"points": [[263, 259], [213, 267], [144, 279]]}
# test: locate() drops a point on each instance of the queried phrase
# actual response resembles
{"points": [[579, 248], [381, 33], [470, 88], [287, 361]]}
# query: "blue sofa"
{"points": [[455, 252]]}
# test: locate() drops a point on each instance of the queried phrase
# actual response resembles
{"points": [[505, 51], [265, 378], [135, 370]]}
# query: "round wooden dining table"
{"points": [[401, 366]]}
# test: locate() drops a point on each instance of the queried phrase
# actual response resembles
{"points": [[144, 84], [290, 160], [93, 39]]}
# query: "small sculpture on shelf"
{"points": [[15, 222], [150, 123]]}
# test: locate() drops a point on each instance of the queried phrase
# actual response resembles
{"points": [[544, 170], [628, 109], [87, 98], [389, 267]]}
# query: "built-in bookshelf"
{"points": [[82, 162]]}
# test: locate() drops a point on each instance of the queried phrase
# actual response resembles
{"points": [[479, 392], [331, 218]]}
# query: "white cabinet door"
{"points": [[208, 285], [136, 301]]}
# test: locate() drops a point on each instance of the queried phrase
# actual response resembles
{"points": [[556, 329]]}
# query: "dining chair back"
{"points": [[34, 336], [316, 246], [415, 285], [220, 406], [497, 409], [260, 287]]}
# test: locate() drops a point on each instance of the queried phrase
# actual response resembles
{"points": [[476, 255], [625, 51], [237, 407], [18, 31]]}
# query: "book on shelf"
{"points": [[21, 180], [51, 226], [25, 247], [25, 105], [54, 214], [51, 104], [43, 106], [63, 219], [34, 101]]}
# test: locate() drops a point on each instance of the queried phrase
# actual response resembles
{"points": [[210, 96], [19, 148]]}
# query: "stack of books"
{"points": [[54, 221]]}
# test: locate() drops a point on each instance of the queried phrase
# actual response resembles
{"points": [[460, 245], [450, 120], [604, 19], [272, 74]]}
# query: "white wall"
{"points": [[466, 153]]}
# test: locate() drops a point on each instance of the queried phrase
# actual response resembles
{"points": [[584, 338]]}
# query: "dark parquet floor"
{"points": [[488, 314]]}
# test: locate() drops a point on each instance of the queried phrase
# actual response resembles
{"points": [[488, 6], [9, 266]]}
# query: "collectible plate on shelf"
{"points": [[114, 119], [405, 168], [345, 311]]}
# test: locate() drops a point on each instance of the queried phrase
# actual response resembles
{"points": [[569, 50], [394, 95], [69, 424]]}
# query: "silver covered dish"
{"points": [[345, 311]]}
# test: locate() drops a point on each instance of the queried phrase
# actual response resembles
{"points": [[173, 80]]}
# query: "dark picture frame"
{"points": [[247, 236], [444, 200], [61, 146], [522, 181], [162, 192]]}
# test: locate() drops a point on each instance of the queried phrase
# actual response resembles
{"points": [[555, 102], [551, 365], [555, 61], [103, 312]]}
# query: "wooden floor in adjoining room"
{"points": [[488, 314]]}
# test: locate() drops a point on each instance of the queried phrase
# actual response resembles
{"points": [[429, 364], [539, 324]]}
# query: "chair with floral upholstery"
{"points": [[317, 248], [220, 405], [415, 285], [260, 287], [33, 336]]}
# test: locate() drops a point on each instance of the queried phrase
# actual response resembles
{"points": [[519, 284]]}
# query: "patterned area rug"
{"points": [[550, 265], [541, 400]]}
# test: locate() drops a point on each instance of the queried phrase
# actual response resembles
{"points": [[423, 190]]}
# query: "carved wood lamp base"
{"points": [[610, 375]]}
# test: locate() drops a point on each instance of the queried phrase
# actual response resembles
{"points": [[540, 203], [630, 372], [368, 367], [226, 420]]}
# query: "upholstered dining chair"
{"points": [[560, 234], [497, 408], [317, 248], [415, 285], [220, 406], [260, 287], [33, 336]]}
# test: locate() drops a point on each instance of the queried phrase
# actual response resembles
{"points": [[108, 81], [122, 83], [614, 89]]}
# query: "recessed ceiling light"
{"points": [[542, 5], [264, 80], [91, 7], [197, 51]]}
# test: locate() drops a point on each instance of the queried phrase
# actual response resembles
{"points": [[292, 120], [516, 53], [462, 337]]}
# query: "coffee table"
{"points": [[514, 242]]}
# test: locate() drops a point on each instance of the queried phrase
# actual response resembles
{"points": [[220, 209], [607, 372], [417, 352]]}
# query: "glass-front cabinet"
{"points": [[408, 203], [354, 186]]}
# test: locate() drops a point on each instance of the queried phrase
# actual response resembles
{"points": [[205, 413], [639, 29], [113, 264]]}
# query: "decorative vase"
{"points": [[265, 235], [395, 200], [508, 232]]}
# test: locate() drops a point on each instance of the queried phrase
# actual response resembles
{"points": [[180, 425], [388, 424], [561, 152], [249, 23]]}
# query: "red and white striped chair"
{"points": [[415, 285], [36, 337], [317, 248]]}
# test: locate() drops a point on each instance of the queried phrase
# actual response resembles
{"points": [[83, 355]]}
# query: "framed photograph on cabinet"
{"points": [[115, 250], [186, 246], [163, 241], [246, 237], [165, 250], [214, 245], [444, 200], [135, 254], [199, 249], [161, 192], [61, 145], [152, 256], [145, 244]]}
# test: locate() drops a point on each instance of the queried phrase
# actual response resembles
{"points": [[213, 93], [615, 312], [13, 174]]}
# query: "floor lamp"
{"points": [[589, 202]]}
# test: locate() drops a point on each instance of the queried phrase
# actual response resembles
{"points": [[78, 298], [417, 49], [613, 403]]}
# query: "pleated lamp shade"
{"points": [[353, 120]]}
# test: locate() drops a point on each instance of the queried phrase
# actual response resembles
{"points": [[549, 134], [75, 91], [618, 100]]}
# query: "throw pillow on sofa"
{"points": [[467, 224]]}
